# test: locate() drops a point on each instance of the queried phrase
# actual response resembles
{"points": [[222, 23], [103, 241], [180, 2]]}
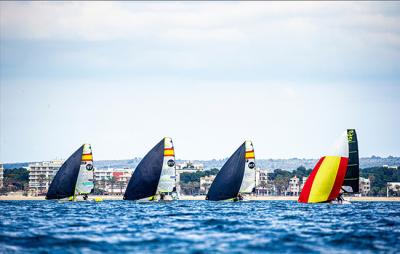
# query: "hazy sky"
{"points": [[289, 76]]}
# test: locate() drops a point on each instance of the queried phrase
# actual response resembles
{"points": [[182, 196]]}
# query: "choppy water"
{"points": [[198, 227]]}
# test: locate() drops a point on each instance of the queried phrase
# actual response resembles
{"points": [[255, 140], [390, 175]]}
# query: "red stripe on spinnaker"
{"points": [[169, 148], [305, 192], [339, 179]]}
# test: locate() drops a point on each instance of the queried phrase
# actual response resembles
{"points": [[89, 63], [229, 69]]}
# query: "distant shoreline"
{"points": [[259, 198]]}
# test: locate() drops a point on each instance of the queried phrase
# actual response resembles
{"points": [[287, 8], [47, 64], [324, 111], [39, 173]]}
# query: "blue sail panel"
{"points": [[63, 184], [145, 178], [229, 179]]}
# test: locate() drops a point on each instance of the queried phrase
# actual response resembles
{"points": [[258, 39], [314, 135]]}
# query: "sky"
{"points": [[290, 76]]}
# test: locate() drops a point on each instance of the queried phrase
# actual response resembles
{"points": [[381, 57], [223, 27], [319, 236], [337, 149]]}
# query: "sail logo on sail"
{"points": [[171, 163], [350, 134]]}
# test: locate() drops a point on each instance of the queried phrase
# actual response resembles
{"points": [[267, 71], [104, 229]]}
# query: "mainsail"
{"points": [[334, 173], [351, 180], [146, 177], [229, 179], [249, 177], [64, 182], [84, 184], [167, 179]]}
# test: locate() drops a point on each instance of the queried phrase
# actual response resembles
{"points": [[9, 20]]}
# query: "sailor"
{"points": [[340, 198], [85, 197], [240, 197], [162, 196]]}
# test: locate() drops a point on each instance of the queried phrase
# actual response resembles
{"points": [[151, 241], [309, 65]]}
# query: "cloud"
{"points": [[190, 21]]}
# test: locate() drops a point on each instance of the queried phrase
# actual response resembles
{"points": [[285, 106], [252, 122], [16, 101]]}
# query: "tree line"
{"points": [[17, 179]]}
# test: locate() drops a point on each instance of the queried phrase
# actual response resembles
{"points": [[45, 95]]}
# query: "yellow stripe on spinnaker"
{"points": [[87, 157], [324, 179], [169, 153]]}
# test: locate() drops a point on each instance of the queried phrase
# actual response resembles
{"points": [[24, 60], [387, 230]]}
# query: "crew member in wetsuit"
{"points": [[162, 196], [340, 198]]}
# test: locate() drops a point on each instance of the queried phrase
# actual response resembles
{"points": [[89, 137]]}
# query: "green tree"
{"points": [[112, 180]]}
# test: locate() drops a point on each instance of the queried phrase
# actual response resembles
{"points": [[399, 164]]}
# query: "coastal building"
{"points": [[391, 167], [205, 183], [365, 186], [189, 165], [41, 174], [112, 180], [262, 187], [294, 186], [393, 189], [1, 176], [186, 167]]}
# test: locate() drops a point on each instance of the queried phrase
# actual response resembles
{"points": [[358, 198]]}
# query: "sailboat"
{"points": [[237, 177], [154, 177], [334, 175], [74, 179]]}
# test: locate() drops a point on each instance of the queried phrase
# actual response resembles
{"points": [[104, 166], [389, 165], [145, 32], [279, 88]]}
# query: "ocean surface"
{"points": [[198, 227]]}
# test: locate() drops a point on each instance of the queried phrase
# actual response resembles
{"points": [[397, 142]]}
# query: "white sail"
{"points": [[84, 184], [167, 178], [249, 177], [341, 146]]}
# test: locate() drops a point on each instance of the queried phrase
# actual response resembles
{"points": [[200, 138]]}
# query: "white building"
{"points": [[41, 174], [112, 180], [186, 167], [294, 186], [262, 187], [1, 175], [205, 183], [189, 165], [393, 188], [391, 167], [365, 186]]}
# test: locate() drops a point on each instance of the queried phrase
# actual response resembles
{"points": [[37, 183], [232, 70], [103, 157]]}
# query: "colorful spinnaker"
{"points": [[155, 173], [328, 176], [236, 175], [75, 176]]}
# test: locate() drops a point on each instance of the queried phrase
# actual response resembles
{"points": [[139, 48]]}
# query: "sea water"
{"points": [[198, 227]]}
